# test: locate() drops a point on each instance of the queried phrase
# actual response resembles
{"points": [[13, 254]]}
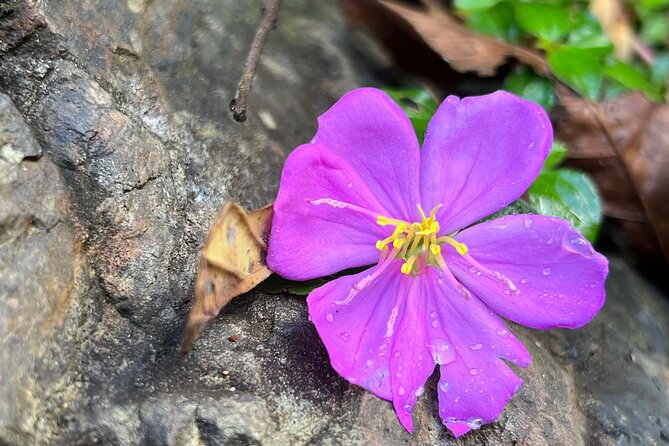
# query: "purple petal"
{"points": [[475, 385], [311, 240], [352, 316], [556, 277], [480, 154], [372, 133]]}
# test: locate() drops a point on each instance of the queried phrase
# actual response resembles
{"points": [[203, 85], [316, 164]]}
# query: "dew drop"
{"points": [[546, 271], [419, 391], [443, 386], [473, 372], [441, 351], [329, 317], [344, 336], [477, 346], [523, 280], [349, 185], [473, 270], [398, 375], [531, 145], [435, 323], [528, 223], [401, 391], [577, 244], [396, 354], [433, 314]]}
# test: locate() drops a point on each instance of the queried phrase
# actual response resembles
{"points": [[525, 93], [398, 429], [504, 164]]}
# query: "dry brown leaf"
{"points": [[616, 25], [624, 145], [232, 262], [463, 49]]}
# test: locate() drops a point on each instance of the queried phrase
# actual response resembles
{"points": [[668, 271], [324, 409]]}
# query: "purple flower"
{"points": [[363, 193]]}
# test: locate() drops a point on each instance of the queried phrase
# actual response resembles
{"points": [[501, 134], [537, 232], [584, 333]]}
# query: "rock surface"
{"points": [[116, 150]]}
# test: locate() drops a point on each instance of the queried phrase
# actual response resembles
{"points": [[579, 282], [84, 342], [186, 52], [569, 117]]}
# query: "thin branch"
{"points": [[269, 16]]}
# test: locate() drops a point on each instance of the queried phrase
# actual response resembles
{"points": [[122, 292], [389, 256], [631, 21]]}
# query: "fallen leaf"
{"points": [[616, 25], [232, 262], [624, 145], [463, 49]]}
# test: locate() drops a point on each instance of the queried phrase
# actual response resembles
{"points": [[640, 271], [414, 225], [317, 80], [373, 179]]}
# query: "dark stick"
{"points": [[269, 15]]}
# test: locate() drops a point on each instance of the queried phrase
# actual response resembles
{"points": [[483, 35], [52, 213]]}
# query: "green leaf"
{"points": [[579, 68], [630, 77], [276, 284], [587, 33], [547, 22], [655, 29], [498, 22], [571, 195], [419, 106], [473, 5], [527, 84], [557, 154], [654, 4], [517, 207]]}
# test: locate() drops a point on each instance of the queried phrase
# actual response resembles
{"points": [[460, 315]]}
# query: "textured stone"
{"points": [[99, 241]]}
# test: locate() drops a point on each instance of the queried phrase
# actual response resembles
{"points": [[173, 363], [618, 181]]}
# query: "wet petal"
{"points": [[372, 133], [480, 154], [356, 318], [312, 238], [476, 385], [556, 277]]}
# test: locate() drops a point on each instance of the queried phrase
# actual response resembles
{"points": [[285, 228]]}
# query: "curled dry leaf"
{"points": [[463, 49], [624, 145], [232, 262]]}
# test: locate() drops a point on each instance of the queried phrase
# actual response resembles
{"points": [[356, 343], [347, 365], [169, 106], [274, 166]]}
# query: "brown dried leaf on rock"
{"points": [[624, 145], [463, 49], [232, 262]]}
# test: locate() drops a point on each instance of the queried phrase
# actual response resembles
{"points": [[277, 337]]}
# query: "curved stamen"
{"points": [[451, 278]]}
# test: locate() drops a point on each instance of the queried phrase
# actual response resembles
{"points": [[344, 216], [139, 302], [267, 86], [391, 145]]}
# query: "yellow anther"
{"points": [[380, 244], [398, 242], [435, 249], [461, 248], [407, 267]]}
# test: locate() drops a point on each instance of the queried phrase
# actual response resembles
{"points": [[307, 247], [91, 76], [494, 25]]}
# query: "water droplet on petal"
{"points": [[398, 375], [546, 271], [419, 391], [523, 280], [349, 185], [329, 317], [473, 372], [575, 243], [435, 323], [401, 391], [344, 336], [441, 351], [528, 223], [443, 386], [433, 314], [477, 346], [396, 354]]}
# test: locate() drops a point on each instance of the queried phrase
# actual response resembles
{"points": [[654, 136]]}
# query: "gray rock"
{"points": [[99, 238]]}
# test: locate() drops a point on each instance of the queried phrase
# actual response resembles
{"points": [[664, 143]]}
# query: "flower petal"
{"points": [[558, 275], [310, 240], [475, 385], [480, 154], [372, 133], [353, 315]]}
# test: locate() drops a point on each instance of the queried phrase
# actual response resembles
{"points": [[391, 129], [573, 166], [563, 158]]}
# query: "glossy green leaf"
{"points": [[473, 5], [545, 21], [498, 21], [527, 84], [632, 78], [579, 68], [571, 195], [557, 154], [419, 106], [587, 33]]}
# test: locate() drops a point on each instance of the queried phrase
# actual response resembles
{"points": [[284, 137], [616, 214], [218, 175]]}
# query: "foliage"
{"points": [[577, 49]]}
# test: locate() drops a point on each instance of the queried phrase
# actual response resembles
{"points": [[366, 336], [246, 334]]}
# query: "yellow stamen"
{"points": [[416, 241]]}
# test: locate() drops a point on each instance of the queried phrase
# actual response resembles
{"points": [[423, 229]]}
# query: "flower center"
{"points": [[416, 243]]}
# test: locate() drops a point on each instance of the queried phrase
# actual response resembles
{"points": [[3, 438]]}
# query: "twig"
{"points": [[269, 16]]}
